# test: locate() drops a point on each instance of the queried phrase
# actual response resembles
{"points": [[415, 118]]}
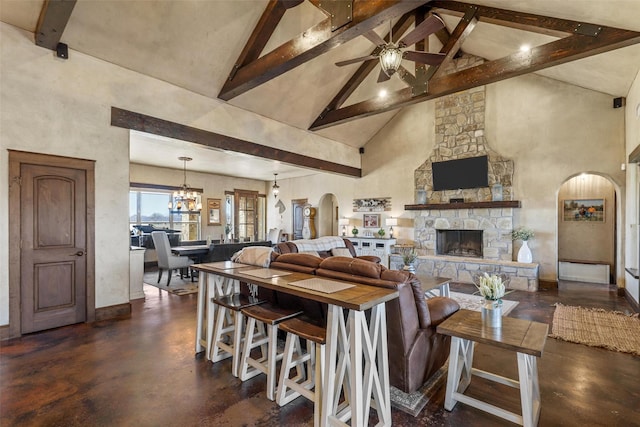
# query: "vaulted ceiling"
{"points": [[277, 58]]}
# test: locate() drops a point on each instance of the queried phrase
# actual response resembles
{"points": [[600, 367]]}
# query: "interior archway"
{"points": [[327, 215], [588, 237]]}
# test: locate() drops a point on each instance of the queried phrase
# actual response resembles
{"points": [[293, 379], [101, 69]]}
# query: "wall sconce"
{"points": [[390, 223], [343, 222]]}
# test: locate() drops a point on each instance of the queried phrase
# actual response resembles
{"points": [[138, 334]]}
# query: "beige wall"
{"points": [[551, 130], [631, 229], [62, 107]]}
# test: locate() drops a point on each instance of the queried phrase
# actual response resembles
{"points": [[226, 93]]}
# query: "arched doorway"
{"points": [[328, 215], [588, 229]]}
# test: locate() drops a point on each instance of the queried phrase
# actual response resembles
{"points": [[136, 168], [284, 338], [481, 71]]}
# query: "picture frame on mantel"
{"points": [[213, 212], [583, 210], [371, 220]]}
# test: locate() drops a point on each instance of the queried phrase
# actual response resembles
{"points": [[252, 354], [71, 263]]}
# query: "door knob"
{"points": [[79, 253]]}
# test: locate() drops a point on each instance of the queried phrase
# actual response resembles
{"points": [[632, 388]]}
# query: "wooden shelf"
{"points": [[466, 205]]}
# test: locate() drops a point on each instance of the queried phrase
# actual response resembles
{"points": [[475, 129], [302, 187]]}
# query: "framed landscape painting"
{"points": [[583, 210]]}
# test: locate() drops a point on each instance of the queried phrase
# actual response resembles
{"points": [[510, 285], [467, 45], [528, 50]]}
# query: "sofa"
{"points": [[323, 247], [415, 350]]}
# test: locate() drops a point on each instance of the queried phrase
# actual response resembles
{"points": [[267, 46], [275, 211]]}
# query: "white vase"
{"points": [[524, 254]]}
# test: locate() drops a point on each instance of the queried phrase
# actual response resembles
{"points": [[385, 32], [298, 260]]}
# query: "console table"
{"points": [[379, 247], [524, 337]]}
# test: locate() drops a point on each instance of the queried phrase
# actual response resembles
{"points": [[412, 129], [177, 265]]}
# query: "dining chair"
{"points": [[167, 260], [274, 236]]}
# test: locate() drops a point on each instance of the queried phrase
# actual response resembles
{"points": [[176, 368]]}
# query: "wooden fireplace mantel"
{"points": [[464, 205]]}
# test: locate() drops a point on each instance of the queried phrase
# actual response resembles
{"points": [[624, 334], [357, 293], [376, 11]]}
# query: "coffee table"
{"points": [[524, 337]]}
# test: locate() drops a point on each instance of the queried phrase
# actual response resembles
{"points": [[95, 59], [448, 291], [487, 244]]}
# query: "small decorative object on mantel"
{"points": [[378, 204], [381, 232], [496, 192], [524, 234], [492, 288], [354, 231]]}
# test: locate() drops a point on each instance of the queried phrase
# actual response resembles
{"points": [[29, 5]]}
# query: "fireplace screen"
{"points": [[466, 243]]}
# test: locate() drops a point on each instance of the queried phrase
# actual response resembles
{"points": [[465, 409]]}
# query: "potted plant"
{"points": [[381, 232], [354, 231], [409, 257], [524, 234], [492, 288]]}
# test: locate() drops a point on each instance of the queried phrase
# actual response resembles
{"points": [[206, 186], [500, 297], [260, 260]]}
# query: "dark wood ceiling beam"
{"points": [[555, 53], [319, 39], [464, 28], [263, 31], [52, 21], [508, 18], [400, 27], [143, 123]]}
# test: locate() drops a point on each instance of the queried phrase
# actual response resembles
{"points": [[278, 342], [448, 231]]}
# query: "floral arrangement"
{"points": [[522, 233], [409, 256], [491, 287], [354, 231], [381, 232]]}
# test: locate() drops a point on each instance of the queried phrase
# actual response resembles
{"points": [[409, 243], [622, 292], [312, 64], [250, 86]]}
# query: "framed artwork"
{"points": [[371, 220], [213, 210], [583, 210]]}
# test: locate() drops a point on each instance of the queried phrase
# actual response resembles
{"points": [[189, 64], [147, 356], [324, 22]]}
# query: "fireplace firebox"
{"points": [[464, 243]]}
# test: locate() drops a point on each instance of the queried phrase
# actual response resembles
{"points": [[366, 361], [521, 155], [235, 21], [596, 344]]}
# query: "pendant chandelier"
{"points": [[185, 198], [276, 187]]}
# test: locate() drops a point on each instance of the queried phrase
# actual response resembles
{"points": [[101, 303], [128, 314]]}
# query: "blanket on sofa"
{"points": [[325, 243]]}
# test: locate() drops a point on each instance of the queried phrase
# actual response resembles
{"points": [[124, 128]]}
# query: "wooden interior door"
{"points": [[246, 220], [297, 220], [53, 262]]}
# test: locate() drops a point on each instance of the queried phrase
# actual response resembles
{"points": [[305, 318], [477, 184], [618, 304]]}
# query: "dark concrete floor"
{"points": [[142, 371]]}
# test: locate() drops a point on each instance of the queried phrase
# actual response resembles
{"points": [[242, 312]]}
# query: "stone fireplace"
{"points": [[460, 134], [466, 243]]}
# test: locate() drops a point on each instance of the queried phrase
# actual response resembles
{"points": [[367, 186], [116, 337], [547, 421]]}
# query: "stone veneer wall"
{"points": [[459, 130], [459, 133]]}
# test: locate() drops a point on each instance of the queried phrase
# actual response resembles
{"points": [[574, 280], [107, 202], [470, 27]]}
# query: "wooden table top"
{"points": [[523, 336], [430, 282], [359, 297]]}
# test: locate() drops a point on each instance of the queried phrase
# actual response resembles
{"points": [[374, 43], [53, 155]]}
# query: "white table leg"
{"points": [[202, 298], [329, 381], [459, 376], [529, 389], [444, 290], [216, 286]]}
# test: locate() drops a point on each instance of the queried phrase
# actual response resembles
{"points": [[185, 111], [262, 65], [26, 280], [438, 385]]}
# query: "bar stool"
{"points": [[308, 381], [227, 332], [261, 316]]}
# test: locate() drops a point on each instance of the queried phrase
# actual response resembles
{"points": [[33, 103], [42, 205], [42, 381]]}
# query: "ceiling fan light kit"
{"points": [[390, 54]]}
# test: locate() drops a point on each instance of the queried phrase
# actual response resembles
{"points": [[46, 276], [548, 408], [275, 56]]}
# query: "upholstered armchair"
{"points": [[166, 260]]}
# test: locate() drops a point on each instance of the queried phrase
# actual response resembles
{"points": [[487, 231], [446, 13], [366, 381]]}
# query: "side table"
{"points": [[524, 337]]}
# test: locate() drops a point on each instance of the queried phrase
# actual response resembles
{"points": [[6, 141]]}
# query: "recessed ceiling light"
{"points": [[525, 48], [382, 93]]}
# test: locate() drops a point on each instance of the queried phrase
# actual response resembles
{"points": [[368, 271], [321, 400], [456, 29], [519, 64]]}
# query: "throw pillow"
{"points": [[341, 252], [254, 255], [314, 253]]}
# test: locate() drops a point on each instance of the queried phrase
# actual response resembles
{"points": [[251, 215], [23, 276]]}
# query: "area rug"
{"points": [[413, 403], [178, 286], [596, 327], [474, 302]]}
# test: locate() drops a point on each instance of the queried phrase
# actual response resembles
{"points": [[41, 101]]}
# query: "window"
{"points": [[245, 213], [152, 208]]}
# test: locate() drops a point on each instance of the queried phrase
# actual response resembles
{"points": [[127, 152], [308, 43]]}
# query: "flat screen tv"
{"points": [[471, 172]]}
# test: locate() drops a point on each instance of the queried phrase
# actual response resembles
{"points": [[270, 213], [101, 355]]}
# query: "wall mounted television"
{"points": [[471, 172]]}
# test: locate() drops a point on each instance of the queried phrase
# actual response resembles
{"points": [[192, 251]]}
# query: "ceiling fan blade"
{"points": [[426, 27], [374, 38], [354, 60], [424, 57], [382, 77]]}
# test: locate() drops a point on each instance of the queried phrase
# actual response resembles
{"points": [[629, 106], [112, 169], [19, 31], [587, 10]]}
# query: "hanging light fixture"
{"points": [[391, 55], [276, 187], [185, 198]]}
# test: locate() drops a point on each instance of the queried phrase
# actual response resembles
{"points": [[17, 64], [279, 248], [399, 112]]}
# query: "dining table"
{"points": [[356, 374]]}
